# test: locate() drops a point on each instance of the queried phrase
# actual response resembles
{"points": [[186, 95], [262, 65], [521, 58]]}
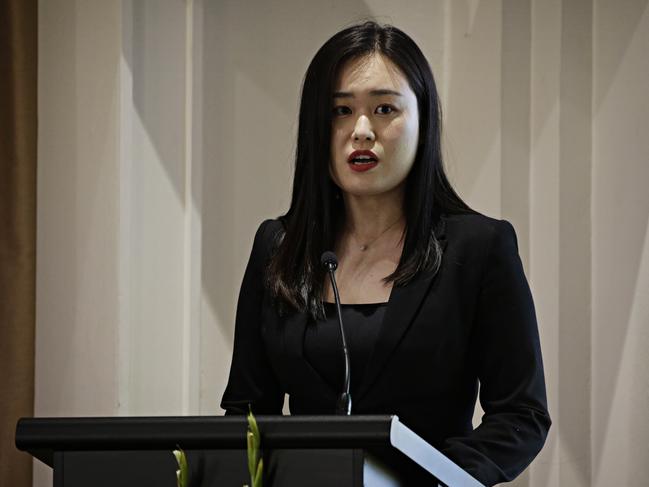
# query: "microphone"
{"points": [[344, 405]]}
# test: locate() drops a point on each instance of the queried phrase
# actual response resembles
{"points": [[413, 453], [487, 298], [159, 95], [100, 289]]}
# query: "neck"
{"points": [[368, 216]]}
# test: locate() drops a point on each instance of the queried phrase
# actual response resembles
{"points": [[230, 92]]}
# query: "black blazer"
{"points": [[472, 322]]}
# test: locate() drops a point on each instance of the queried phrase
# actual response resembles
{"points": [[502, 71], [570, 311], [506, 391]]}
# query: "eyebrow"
{"points": [[381, 92]]}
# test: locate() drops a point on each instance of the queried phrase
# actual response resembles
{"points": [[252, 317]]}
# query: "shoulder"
{"points": [[479, 232], [267, 236], [269, 229], [486, 248]]}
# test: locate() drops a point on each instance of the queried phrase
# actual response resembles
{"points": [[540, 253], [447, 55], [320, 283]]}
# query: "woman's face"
{"points": [[375, 127]]}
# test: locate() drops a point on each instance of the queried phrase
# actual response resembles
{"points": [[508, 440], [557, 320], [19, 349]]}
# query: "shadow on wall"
{"points": [[155, 57]]}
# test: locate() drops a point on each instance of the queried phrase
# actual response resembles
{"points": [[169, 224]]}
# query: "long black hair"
{"points": [[310, 226]]}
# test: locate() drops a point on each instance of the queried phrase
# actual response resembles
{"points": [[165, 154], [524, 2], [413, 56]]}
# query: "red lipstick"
{"points": [[362, 160]]}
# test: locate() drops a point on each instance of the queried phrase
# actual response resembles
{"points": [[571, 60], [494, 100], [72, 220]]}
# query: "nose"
{"points": [[363, 129]]}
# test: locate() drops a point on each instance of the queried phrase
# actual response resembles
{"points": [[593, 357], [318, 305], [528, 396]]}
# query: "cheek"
{"points": [[402, 136], [337, 143], [336, 154]]}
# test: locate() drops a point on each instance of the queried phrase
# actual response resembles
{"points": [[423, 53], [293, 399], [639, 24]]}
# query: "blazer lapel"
{"points": [[403, 306]]}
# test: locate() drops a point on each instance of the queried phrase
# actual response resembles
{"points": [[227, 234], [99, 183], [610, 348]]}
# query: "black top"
{"points": [[473, 322], [323, 345]]}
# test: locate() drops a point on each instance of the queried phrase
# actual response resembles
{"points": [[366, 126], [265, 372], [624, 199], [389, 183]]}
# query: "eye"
{"points": [[385, 109], [341, 110]]}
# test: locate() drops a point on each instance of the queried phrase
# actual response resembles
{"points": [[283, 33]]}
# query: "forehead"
{"points": [[373, 71]]}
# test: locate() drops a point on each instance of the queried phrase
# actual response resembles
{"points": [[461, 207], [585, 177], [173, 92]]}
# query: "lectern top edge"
{"points": [[42, 436]]}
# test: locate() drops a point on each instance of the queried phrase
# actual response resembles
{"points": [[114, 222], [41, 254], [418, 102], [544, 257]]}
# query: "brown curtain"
{"points": [[18, 68]]}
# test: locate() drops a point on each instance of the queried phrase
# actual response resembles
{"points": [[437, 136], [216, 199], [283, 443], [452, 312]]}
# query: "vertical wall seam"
{"points": [[515, 119], [125, 87], [575, 281], [446, 56], [188, 220]]}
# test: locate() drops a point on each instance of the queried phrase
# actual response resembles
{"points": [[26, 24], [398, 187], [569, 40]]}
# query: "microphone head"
{"points": [[329, 260]]}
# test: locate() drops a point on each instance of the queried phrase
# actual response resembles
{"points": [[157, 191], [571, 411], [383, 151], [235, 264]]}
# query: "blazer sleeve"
{"points": [[508, 361], [252, 381]]}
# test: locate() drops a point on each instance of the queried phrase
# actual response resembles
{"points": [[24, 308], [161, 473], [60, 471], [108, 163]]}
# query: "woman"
{"points": [[434, 296]]}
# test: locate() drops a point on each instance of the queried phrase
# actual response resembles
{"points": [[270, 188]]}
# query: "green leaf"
{"points": [[182, 474], [258, 476], [253, 439], [252, 425], [252, 454]]}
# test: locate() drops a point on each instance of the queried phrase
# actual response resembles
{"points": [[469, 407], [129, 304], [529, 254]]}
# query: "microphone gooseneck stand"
{"points": [[344, 405]]}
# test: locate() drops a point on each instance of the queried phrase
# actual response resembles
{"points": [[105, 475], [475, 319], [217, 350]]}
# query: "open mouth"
{"points": [[362, 160]]}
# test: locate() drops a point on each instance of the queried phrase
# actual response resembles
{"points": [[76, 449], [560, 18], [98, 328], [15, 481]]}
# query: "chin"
{"points": [[366, 191]]}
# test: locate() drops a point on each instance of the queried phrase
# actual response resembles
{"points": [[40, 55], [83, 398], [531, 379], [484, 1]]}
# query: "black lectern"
{"points": [[318, 451]]}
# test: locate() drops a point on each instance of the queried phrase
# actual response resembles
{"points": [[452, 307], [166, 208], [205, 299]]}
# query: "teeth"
{"points": [[363, 159]]}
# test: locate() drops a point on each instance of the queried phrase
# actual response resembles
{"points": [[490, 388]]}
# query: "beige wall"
{"points": [[620, 244], [77, 292], [166, 131]]}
